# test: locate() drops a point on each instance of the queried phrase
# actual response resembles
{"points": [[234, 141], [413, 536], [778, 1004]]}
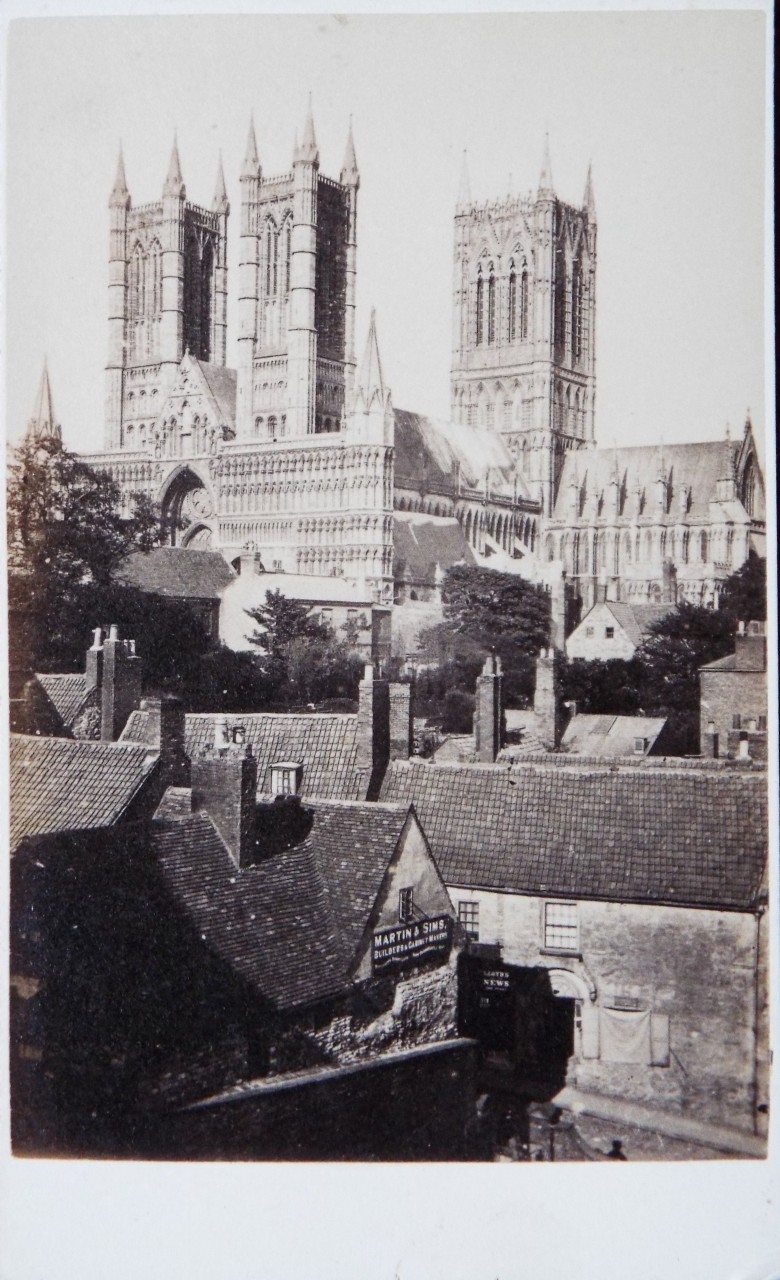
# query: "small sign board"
{"points": [[418, 940], [495, 979]]}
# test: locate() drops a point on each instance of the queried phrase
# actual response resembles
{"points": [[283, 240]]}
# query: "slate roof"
{"points": [[57, 784], [68, 695], [177, 572], [605, 735], [291, 925], [432, 452], [697, 465], [326, 746], [422, 542], [652, 836]]}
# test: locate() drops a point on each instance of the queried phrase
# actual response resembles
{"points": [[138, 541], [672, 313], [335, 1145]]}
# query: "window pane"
{"points": [[560, 926]]}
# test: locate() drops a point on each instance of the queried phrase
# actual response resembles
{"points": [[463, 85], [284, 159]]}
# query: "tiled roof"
{"points": [[605, 735], [422, 542], [179, 572], [698, 466], [290, 925], [57, 784], [67, 694], [636, 619], [729, 663], [643, 835], [326, 746]]}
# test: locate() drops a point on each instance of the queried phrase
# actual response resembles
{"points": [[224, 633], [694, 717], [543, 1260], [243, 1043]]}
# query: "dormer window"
{"points": [[239, 733], [286, 778], [640, 746]]}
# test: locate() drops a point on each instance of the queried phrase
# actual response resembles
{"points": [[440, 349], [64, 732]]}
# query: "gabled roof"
{"points": [[643, 835], [326, 746], [290, 925], [222, 385], [605, 735], [68, 695], [698, 466], [177, 572], [57, 784], [422, 542], [433, 453], [637, 619], [214, 382]]}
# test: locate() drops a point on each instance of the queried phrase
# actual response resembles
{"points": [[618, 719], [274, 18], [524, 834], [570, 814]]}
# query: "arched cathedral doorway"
{"points": [[186, 506]]}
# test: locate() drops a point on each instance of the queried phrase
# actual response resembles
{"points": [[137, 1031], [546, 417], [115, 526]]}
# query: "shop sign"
{"points": [[418, 940], [495, 979]]}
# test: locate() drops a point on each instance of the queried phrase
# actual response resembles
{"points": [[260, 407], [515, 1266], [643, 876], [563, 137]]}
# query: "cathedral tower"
{"points": [[297, 295], [167, 294], [524, 324]]}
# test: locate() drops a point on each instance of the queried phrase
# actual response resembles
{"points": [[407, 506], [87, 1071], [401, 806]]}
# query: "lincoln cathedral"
{"points": [[299, 456]]}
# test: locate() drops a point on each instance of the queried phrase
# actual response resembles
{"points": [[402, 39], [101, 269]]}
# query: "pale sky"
{"points": [[669, 107]]}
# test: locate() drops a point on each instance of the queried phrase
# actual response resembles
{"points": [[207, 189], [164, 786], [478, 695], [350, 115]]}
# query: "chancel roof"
{"points": [[423, 543], [696, 466], [648, 835]]}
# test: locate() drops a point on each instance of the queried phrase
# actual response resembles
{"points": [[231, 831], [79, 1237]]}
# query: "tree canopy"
{"points": [[301, 658]]}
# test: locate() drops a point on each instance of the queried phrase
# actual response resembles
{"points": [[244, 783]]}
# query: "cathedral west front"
{"points": [[299, 456]]}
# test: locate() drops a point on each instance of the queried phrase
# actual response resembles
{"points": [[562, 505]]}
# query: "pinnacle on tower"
{"points": [[308, 149], [251, 167], [545, 178], [464, 191], [174, 183], [370, 381], [349, 170], [588, 201], [43, 425], [119, 192], [220, 193]]}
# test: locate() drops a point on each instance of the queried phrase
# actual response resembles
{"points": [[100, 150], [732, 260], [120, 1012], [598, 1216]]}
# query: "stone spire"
{"points": [[350, 176], [174, 183], [221, 204], [43, 424], [464, 191], [545, 178], [588, 202], [308, 149], [251, 167], [370, 382], [120, 195]]}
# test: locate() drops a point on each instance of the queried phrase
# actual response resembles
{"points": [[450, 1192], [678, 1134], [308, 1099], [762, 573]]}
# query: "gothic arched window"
{"points": [[270, 259], [287, 254], [748, 487], [576, 312], [156, 277], [137, 283], [703, 546], [206, 284], [480, 291], [524, 306], [491, 317], [271, 427], [512, 302]]}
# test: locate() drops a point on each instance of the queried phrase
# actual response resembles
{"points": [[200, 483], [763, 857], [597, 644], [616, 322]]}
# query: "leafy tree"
{"points": [[66, 536], [743, 597], [487, 611], [301, 659], [612, 687], [458, 710]]}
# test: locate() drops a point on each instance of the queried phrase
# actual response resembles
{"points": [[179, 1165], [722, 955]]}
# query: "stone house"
{"points": [[612, 889], [612, 629]]}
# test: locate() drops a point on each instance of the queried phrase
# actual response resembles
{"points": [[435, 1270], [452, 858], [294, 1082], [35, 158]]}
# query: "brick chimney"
{"points": [[121, 687], [547, 708], [750, 647], [165, 719], [401, 723], [224, 785], [487, 712], [373, 728], [94, 668]]}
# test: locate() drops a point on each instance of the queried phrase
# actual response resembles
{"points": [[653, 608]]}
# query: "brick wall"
{"points": [[724, 695]]}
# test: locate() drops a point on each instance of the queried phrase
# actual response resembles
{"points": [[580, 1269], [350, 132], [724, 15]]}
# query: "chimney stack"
{"points": [[487, 713], [94, 667], [224, 785], [165, 718], [373, 728], [401, 723], [121, 683], [547, 707]]}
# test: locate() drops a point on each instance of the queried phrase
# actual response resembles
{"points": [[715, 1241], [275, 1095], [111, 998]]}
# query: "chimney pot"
{"points": [[97, 638], [113, 633]]}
